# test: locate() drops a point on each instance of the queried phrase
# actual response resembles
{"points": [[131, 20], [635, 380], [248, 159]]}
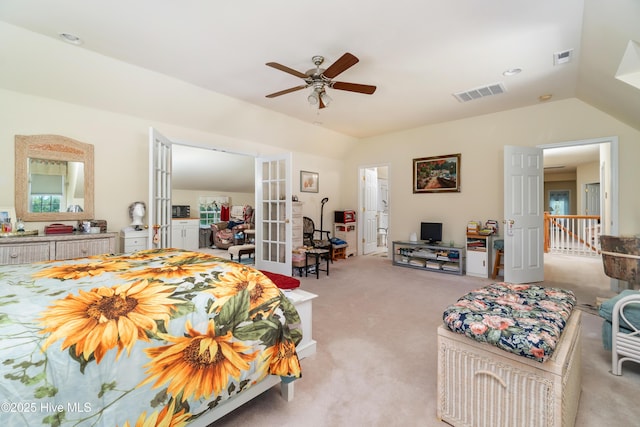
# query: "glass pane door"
{"points": [[273, 218]]}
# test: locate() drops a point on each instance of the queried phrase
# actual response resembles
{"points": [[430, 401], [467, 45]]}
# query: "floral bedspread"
{"points": [[156, 337], [523, 319]]}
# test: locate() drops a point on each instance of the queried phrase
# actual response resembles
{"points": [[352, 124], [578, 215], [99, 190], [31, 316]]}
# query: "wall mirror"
{"points": [[54, 178]]}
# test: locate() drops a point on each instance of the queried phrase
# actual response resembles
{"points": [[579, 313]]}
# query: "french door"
{"points": [[159, 211], [273, 214], [523, 213]]}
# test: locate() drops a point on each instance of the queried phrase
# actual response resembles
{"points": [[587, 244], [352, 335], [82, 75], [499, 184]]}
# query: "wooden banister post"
{"points": [[547, 228]]}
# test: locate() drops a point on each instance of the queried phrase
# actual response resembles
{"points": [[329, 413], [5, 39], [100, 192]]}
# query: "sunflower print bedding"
{"points": [[156, 337], [523, 319]]}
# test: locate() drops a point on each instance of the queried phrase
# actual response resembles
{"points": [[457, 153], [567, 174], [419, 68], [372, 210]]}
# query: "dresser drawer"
{"points": [[24, 253], [82, 248]]}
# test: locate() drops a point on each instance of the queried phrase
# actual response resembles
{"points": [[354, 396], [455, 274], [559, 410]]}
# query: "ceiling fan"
{"points": [[319, 79]]}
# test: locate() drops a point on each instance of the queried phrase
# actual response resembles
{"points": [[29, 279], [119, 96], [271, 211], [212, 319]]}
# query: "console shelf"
{"points": [[429, 257]]}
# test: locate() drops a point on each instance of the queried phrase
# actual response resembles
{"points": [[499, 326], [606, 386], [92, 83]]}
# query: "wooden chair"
{"points": [[498, 263]]}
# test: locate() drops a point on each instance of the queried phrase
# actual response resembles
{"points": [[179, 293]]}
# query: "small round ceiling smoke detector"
{"points": [[70, 38], [512, 72]]}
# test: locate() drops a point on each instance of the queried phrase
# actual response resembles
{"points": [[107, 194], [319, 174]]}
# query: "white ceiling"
{"points": [[417, 53]]}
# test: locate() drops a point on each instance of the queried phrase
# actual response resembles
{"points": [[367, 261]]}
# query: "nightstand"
{"points": [[133, 240]]}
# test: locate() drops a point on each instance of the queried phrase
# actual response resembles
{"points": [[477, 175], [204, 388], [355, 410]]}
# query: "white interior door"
{"points": [[370, 211], [523, 210], [159, 212], [273, 214]]}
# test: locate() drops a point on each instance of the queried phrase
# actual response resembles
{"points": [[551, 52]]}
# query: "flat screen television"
{"points": [[431, 232]]}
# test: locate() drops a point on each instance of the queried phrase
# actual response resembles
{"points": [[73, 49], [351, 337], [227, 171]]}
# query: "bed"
{"points": [[154, 336], [509, 354]]}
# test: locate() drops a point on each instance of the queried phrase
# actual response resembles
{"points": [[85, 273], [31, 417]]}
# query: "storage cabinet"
{"points": [[185, 234], [347, 231], [28, 249], [133, 240], [424, 256], [478, 255]]}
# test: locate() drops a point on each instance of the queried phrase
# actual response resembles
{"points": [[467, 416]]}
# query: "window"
{"points": [[46, 193], [45, 203]]}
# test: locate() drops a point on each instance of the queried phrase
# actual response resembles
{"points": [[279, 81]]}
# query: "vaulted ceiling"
{"points": [[417, 53]]}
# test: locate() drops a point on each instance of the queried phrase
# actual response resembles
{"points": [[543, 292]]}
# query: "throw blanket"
{"points": [[523, 319], [156, 337]]}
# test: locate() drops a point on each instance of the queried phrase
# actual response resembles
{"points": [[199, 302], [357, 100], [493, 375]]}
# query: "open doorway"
{"points": [[374, 208], [595, 186]]}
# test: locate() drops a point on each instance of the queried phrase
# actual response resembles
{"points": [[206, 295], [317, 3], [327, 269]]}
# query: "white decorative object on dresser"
{"points": [[22, 250], [296, 225], [185, 233], [133, 240]]}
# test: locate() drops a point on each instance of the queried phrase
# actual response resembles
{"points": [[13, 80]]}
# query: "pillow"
{"points": [[631, 312], [282, 281]]}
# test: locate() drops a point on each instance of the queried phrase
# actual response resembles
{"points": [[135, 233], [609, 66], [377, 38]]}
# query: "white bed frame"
{"points": [[482, 385], [302, 300]]}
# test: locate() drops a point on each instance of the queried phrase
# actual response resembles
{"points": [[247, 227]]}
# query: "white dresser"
{"points": [[296, 225], [28, 249], [133, 240]]}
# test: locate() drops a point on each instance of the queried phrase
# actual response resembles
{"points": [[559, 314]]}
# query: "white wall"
{"points": [[480, 140], [121, 153], [588, 173]]}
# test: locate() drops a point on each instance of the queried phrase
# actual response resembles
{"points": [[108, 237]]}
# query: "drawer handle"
{"points": [[491, 374], [14, 255]]}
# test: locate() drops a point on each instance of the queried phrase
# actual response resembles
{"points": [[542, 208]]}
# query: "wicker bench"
{"points": [[481, 384]]}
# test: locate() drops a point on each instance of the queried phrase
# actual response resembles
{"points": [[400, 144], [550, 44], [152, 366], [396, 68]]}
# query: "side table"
{"points": [[317, 255]]}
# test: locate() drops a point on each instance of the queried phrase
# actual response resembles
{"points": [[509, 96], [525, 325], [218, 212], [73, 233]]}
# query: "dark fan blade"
{"points": [[354, 87], [287, 69], [321, 104], [282, 92], [346, 61]]}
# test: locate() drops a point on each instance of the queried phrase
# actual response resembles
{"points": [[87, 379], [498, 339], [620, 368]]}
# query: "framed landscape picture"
{"points": [[309, 182], [438, 174]]}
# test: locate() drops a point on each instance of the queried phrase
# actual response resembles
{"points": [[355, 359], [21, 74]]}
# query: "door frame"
{"points": [[612, 179], [611, 182]]}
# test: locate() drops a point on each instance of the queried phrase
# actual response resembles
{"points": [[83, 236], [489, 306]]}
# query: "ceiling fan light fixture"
{"points": [[313, 98], [326, 99]]}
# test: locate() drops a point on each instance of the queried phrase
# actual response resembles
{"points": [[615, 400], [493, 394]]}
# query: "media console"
{"points": [[430, 257]]}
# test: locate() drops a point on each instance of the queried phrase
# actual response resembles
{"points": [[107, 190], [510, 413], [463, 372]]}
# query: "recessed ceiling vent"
{"points": [[480, 92]]}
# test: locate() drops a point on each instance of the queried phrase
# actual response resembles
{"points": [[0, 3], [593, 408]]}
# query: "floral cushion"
{"points": [[523, 319]]}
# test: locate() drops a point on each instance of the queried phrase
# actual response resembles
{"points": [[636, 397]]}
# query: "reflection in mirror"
{"points": [[55, 186], [54, 178]]}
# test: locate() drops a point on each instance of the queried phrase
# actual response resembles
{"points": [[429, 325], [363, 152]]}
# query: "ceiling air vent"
{"points": [[562, 57], [480, 92]]}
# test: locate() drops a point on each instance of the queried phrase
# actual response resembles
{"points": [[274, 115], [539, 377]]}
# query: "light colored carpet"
{"points": [[376, 362]]}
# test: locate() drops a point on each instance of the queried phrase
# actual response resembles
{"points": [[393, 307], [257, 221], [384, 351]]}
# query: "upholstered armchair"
{"points": [[222, 236]]}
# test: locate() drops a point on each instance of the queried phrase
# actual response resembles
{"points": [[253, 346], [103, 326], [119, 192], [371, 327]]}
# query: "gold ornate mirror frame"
{"points": [[51, 147]]}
